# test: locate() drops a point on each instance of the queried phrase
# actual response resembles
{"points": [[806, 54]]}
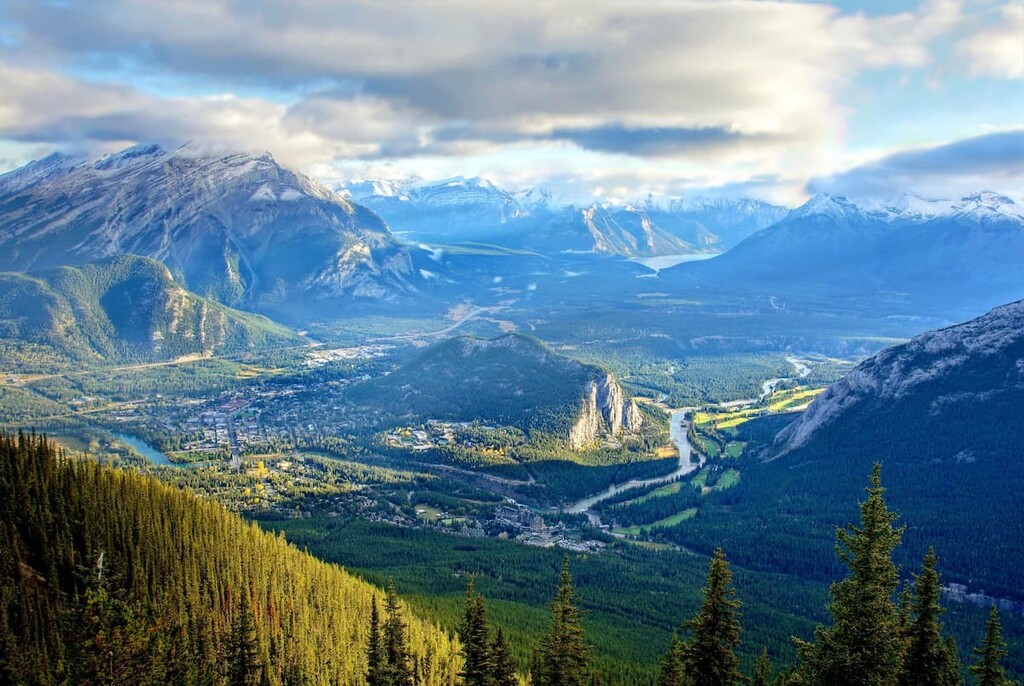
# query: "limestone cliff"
{"points": [[605, 411]]}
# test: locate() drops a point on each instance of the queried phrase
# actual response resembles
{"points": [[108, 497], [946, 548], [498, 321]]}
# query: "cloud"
{"points": [[696, 91], [949, 170], [997, 49]]}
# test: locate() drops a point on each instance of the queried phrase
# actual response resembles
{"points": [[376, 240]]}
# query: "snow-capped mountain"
{"points": [[451, 209], [236, 227], [477, 210], [968, 251]]}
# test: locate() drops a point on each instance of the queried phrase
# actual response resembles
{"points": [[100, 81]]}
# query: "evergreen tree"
{"points": [[989, 668], [375, 674], [672, 669], [865, 644], [563, 657], [503, 669], [475, 636], [710, 658], [398, 661], [930, 660], [243, 668], [762, 670]]}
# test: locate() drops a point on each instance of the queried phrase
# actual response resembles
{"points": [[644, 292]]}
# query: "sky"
{"points": [[613, 99]]}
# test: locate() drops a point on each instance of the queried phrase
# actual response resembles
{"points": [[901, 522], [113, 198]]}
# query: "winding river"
{"points": [[678, 427]]}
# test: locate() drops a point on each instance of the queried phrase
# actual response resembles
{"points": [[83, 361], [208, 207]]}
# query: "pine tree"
{"points": [[503, 669], [931, 660], [475, 637], [375, 674], [762, 670], [865, 644], [563, 658], [989, 668], [672, 669], [710, 658], [243, 669], [398, 668]]}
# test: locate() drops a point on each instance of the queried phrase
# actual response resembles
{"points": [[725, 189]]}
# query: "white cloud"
{"points": [[997, 49], [648, 93]]}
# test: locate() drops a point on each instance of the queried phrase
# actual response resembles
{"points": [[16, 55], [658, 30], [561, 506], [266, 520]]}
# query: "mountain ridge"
{"points": [[236, 227]]}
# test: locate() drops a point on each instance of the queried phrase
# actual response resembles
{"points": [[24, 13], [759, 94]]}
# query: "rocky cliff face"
{"points": [[606, 411], [954, 370]]}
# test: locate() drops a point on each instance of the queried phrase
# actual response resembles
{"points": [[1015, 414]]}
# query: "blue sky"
{"points": [[605, 97]]}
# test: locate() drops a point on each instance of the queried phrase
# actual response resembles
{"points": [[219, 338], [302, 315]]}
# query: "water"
{"points": [[656, 264], [147, 451]]}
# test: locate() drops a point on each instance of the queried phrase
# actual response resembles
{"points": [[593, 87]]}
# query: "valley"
{"points": [[502, 387]]}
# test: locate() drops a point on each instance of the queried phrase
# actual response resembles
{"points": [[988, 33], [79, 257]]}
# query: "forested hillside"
{"points": [[110, 577], [125, 309]]}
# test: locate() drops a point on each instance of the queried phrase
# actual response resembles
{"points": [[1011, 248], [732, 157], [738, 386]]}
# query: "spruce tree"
{"points": [[865, 644], [710, 658], [243, 669], [671, 671], [563, 658], [503, 669], [475, 637], [375, 674], [762, 670], [398, 667], [989, 668], [931, 660]]}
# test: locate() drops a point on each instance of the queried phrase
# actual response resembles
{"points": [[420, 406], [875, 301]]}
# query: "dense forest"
{"points": [[112, 577], [109, 576]]}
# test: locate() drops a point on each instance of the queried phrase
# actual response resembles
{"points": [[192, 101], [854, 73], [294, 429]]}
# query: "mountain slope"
{"points": [[127, 308], [109, 576], [965, 254], [238, 228], [941, 414], [513, 380]]}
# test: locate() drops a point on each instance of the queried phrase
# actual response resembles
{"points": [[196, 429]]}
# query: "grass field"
{"points": [[677, 518], [788, 400], [729, 478]]}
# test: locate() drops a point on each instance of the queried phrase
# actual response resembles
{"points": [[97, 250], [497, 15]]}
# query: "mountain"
{"points": [[714, 224], [513, 380], [952, 375], [964, 253], [238, 228], [942, 416], [126, 308], [476, 210], [109, 576]]}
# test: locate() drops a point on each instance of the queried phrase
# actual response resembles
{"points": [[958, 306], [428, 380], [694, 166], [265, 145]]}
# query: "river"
{"points": [[678, 428], [149, 452]]}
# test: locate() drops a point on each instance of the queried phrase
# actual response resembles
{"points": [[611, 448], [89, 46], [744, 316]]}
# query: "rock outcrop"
{"points": [[606, 411]]}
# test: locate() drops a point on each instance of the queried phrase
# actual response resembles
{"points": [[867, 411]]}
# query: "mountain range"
{"points": [[967, 252], [474, 209], [245, 231]]}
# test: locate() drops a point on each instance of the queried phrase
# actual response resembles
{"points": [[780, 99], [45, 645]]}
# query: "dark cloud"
{"points": [[942, 170], [652, 141]]}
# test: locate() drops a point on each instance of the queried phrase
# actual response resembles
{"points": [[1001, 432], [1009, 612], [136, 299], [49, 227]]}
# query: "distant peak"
{"points": [[826, 204], [129, 156], [988, 198]]}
